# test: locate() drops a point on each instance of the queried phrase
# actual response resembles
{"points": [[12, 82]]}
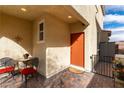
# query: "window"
{"points": [[41, 31]]}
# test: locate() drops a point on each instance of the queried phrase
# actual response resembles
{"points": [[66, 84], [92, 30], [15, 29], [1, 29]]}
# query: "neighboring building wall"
{"points": [[120, 47], [104, 36], [120, 57], [54, 53], [120, 51], [12, 27], [89, 13], [98, 34]]}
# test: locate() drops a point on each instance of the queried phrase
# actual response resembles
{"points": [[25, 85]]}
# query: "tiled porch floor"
{"points": [[64, 79]]}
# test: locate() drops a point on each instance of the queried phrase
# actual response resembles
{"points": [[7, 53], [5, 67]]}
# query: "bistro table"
{"points": [[29, 66], [24, 62]]}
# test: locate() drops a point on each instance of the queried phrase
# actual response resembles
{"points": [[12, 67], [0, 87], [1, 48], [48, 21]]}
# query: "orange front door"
{"points": [[77, 49]]}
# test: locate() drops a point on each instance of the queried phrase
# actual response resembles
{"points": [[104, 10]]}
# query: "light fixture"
{"points": [[23, 9], [69, 17]]}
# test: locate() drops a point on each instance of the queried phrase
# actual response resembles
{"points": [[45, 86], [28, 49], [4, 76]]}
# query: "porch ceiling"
{"points": [[35, 11]]}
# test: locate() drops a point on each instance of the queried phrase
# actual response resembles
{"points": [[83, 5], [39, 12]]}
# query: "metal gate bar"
{"points": [[102, 65]]}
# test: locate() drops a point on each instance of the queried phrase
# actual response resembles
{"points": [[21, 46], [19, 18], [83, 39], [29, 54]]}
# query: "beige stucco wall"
{"points": [[99, 16], [0, 21], [89, 13], [76, 27], [39, 49], [10, 28], [57, 44], [54, 53], [85, 11]]}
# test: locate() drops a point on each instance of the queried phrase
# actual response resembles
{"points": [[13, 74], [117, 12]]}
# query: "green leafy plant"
{"points": [[118, 66]]}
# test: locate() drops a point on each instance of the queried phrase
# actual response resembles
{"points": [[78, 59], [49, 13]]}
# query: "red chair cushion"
{"points": [[27, 71], [6, 69]]}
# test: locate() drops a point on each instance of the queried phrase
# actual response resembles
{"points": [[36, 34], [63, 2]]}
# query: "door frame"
{"points": [[82, 51]]}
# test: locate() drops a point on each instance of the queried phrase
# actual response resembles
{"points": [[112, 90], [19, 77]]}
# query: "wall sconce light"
{"points": [[18, 39]]}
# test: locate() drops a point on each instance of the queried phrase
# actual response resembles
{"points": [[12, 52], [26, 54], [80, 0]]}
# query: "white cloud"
{"points": [[117, 34], [117, 37], [116, 29], [114, 18]]}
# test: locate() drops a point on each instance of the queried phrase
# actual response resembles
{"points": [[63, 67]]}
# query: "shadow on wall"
{"points": [[58, 48], [9, 48]]}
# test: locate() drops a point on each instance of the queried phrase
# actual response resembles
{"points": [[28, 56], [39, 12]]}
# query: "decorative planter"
{"points": [[26, 56], [119, 71]]}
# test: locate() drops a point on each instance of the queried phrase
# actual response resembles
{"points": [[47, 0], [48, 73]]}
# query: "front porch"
{"points": [[64, 79], [41, 31], [44, 32]]}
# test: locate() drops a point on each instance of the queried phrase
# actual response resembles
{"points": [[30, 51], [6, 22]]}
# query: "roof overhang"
{"points": [[103, 9], [35, 11], [77, 15], [107, 31]]}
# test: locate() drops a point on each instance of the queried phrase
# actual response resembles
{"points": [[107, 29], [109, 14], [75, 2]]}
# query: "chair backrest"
{"points": [[35, 62], [6, 61]]}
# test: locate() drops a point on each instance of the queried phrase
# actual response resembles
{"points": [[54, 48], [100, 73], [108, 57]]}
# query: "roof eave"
{"points": [[103, 9]]}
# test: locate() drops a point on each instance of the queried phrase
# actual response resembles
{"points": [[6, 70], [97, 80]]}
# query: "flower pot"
{"points": [[26, 56], [120, 75]]}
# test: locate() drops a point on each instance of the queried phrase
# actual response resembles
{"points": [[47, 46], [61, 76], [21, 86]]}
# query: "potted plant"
{"points": [[26, 56], [118, 69]]}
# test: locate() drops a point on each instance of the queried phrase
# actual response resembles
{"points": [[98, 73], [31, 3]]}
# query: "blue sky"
{"points": [[114, 21]]}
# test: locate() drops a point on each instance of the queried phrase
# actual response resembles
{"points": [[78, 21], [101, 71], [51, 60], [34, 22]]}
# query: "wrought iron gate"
{"points": [[102, 65]]}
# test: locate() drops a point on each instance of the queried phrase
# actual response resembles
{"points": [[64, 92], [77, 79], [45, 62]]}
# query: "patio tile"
{"points": [[64, 79]]}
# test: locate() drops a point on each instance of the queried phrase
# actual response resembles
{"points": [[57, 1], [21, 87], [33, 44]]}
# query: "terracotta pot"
{"points": [[26, 56]]}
